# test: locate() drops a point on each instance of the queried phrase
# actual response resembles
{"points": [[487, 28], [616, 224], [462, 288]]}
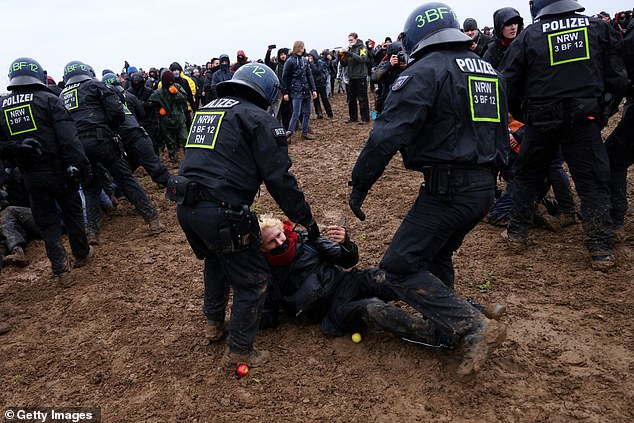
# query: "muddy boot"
{"points": [[16, 258], [619, 234], [308, 136], [252, 359], [289, 136], [156, 227], [515, 244], [93, 239], [215, 331], [64, 278], [479, 344], [81, 262], [546, 220], [602, 260], [492, 311], [567, 219]]}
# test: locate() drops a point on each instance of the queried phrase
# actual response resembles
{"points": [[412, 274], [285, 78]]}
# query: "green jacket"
{"points": [[175, 106]]}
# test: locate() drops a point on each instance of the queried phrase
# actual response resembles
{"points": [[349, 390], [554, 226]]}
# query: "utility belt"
{"points": [[101, 135], [444, 181], [550, 113], [240, 229]]}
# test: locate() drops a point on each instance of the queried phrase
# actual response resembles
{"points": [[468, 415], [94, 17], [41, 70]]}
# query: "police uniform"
{"points": [[447, 115], [98, 113], [232, 147], [620, 143], [558, 71], [32, 111], [136, 142]]}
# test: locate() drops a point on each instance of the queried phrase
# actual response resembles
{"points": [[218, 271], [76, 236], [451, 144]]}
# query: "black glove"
{"points": [[356, 201], [30, 145], [313, 231]]}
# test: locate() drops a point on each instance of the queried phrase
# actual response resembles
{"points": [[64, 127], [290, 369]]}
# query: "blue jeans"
{"points": [[300, 105]]}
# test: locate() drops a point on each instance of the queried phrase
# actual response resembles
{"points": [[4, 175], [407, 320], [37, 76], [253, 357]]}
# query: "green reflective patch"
{"points": [[20, 119], [204, 130], [568, 46], [484, 98], [71, 100]]}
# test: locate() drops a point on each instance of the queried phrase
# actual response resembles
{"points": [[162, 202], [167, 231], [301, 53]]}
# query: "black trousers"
{"points": [[322, 97], [620, 148], [48, 190], [140, 152], [17, 226], [587, 160], [246, 271], [358, 90], [106, 153]]}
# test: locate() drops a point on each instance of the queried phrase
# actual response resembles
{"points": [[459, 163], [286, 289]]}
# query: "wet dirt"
{"points": [[128, 335]]}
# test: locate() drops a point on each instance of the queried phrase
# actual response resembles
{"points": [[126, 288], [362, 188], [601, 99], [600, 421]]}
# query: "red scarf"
{"points": [[287, 256]]}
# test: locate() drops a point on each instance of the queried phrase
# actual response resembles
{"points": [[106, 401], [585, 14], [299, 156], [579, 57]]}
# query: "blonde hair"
{"points": [[298, 47], [268, 221]]}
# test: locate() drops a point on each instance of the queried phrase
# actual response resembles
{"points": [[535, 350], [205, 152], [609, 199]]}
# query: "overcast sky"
{"points": [[156, 33]]}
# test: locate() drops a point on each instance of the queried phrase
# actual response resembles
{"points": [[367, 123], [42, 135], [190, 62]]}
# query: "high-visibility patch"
{"points": [[205, 129]]}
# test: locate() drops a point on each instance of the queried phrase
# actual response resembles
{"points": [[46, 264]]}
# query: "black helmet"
{"points": [[431, 24], [77, 71], [25, 71], [260, 79], [541, 8], [111, 79]]}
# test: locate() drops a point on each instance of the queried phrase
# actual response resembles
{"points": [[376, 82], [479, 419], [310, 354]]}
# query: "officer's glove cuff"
{"points": [[356, 201]]}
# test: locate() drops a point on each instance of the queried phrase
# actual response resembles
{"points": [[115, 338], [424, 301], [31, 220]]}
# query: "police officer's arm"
{"points": [[136, 107], [66, 132], [404, 114], [270, 152], [616, 79], [111, 104]]}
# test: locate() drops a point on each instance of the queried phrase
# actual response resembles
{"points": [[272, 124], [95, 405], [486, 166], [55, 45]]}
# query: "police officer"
{"points": [[136, 142], [39, 134], [235, 144], [620, 145], [98, 113], [561, 72], [447, 115]]}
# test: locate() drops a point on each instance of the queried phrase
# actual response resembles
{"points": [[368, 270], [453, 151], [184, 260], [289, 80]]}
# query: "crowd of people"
{"points": [[463, 106]]}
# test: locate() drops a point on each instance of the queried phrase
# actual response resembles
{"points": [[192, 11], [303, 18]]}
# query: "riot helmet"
{"points": [[111, 79], [77, 71], [432, 24], [541, 8], [257, 78], [26, 71]]}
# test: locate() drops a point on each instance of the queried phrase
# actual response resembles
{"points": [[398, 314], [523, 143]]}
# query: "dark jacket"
{"points": [[95, 108], [498, 45], [357, 55], [223, 74], [430, 116], [318, 68], [308, 283], [297, 78], [578, 76], [233, 147], [35, 112]]}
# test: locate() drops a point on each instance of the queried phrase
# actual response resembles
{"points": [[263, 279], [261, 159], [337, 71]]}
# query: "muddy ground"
{"points": [[127, 336]]}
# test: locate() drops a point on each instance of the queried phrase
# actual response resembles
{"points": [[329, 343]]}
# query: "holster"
{"points": [[240, 231], [439, 181], [182, 191]]}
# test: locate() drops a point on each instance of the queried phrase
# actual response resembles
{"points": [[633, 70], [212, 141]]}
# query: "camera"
{"points": [[402, 57], [272, 46]]}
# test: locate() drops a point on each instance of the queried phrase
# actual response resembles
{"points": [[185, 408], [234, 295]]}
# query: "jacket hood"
{"points": [[223, 57], [174, 66], [241, 53], [503, 16], [393, 48], [280, 51], [315, 55]]}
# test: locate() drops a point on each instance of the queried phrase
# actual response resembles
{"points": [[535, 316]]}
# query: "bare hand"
{"points": [[314, 95], [336, 234], [285, 97]]}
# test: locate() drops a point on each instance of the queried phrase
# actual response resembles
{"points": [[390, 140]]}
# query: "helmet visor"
{"points": [[274, 108]]}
